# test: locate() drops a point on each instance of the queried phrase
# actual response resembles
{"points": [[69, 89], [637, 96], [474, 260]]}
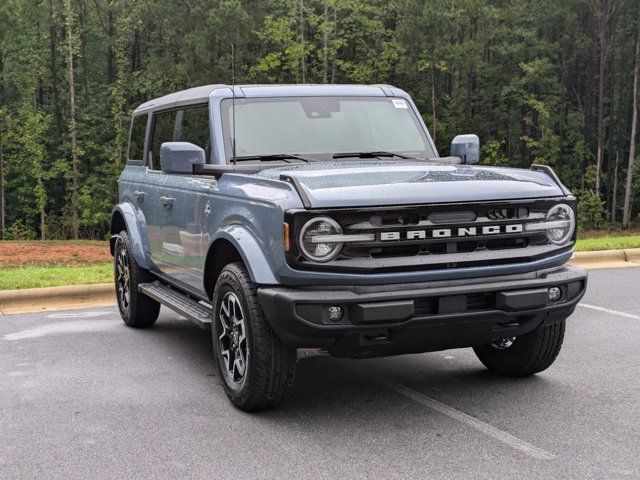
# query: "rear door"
{"points": [[162, 130], [133, 184]]}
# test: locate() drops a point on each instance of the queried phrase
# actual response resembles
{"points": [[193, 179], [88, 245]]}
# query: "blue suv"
{"points": [[323, 217]]}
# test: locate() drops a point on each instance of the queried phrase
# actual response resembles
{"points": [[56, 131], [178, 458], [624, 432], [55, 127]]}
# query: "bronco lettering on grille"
{"points": [[451, 232]]}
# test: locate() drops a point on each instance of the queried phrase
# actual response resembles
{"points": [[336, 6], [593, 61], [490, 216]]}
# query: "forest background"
{"points": [[552, 82]]}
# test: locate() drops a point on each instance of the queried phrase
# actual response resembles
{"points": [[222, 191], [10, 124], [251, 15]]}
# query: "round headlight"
{"points": [[562, 224], [311, 235]]}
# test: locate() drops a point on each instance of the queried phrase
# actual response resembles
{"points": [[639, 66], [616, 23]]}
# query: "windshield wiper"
{"points": [[274, 157], [371, 155]]}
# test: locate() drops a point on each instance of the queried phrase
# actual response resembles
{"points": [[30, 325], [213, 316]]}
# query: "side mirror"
{"points": [[467, 147], [180, 157]]}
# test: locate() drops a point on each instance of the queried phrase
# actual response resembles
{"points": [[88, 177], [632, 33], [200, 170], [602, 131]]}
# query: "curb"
{"points": [[629, 257], [56, 298]]}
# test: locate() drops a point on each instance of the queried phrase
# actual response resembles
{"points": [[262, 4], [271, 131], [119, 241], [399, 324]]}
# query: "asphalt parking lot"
{"points": [[82, 396]]}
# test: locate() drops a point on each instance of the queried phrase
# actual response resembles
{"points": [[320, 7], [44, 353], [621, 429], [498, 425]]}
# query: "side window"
{"points": [[193, 127], [163, 125], [136, 138]]}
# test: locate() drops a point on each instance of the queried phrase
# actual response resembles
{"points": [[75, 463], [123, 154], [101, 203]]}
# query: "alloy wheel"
{"points": [[123, 278], [234, 349]]}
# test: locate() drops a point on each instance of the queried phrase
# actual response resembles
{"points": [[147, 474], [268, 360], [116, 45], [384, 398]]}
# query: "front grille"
{"points": [[434, 236]]}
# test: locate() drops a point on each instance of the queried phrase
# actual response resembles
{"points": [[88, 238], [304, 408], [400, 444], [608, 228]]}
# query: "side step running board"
{"points": [[179, 303]]}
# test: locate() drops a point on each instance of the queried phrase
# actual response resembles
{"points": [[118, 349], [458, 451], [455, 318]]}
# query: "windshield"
{"points": [[321, 127]]}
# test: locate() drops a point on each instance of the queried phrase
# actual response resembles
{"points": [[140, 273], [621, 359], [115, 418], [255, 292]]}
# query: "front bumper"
{"points": [[420, 317]]}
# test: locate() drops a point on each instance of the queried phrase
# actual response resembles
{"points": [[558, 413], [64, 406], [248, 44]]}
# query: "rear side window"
{"points": [[163, 126], [193, 127], [136, 138]]}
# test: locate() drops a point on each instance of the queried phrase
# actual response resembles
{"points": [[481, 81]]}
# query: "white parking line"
{"points": [[57, 328], [482, 427], [81, 314], [608, 310]]}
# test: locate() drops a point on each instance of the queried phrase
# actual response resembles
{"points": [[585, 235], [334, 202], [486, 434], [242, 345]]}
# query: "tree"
{"points": [[626, 216], [603, 10], [536, 84], [71, 46], [2, 204]]}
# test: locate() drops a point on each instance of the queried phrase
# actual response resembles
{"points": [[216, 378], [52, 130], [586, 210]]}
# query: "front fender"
{"points": [[251, 252], [125, 216]]}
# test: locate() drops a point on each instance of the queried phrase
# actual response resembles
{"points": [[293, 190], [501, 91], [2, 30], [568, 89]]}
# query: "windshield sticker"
{"points": [[399, 103]]}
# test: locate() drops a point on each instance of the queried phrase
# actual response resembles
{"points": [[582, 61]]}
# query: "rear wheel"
{"points": [[525, 355], [136, 309], [256, 368]]}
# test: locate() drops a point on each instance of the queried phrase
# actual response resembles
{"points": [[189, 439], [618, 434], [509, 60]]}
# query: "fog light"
{"points": [[335, 313], [555, 294]]}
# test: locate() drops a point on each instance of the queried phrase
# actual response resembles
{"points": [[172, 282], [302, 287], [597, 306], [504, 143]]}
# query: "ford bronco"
{"points": [[322, 217]]}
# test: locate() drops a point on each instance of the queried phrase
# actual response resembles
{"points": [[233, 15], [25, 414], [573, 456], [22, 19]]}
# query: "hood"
{"points": [[379, 183]]}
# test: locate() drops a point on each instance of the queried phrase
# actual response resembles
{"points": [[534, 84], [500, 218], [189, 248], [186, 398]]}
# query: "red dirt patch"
{"points": [[54, 253]]}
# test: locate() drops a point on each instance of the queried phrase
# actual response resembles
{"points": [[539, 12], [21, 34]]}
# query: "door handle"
{"points": [[167, 202], [139, 196]]}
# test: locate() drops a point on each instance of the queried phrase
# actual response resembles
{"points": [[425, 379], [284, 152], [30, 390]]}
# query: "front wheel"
{"points": [[256, 368], [526, 355]]}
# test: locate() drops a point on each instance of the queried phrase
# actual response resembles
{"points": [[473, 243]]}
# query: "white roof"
{"points": [[201, 94]]}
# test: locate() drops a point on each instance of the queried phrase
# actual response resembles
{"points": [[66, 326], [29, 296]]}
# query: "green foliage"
{"points": [[591, 210], [493, 153], [18, 231], [523, 77]]}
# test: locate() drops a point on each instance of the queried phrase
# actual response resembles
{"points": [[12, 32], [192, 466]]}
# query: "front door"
{"points": [[184, 205]]}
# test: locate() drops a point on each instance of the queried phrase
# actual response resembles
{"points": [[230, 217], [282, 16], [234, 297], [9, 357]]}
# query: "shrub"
{"points": [[591, 210]]}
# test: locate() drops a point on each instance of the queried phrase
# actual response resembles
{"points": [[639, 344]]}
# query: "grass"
{"points": [[607, 243], [36, 277]]}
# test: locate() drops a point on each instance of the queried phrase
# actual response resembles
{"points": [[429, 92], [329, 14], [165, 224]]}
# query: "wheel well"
{"points": [[221, 253], [117, 225]]}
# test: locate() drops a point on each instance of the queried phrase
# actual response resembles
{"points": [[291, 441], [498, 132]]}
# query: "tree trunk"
{"points": [[471, 73], [325, 44], [303, 67], [43, 213], [53, 38], [626, 215], [335, 35], [433, 102], [619, 119], [523, 143], [2, 202], [602, 26], [83, 56], [1, 189], [110, 52], [470, 84], [72, 123], [610, 134], [614, 194]]}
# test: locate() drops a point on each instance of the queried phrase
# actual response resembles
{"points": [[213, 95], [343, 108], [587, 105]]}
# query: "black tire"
{"points": [[136, 309], [269, 365], [529, 354]]}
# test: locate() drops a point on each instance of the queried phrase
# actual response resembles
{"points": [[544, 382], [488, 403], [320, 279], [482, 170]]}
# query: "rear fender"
{"points": [[125, 217]]}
